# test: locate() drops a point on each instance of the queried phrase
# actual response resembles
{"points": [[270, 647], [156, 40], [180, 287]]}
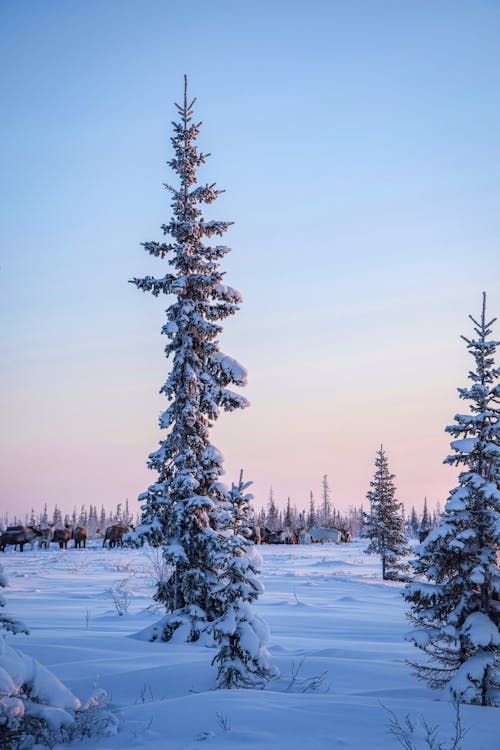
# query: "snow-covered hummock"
{"points": [[456, 611], [35, 706], [184, 503], [49, 698], [384, 524]]}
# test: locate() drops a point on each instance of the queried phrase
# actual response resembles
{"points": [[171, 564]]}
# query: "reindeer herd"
{"points": [[263, 535], [113, 536], [19, 536]]}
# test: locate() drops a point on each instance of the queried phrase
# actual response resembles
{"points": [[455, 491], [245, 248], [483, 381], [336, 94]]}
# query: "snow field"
{"points": [[337, 636]]}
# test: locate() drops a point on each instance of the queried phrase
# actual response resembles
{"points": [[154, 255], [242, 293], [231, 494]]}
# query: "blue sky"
{"points": [[359, 144]]}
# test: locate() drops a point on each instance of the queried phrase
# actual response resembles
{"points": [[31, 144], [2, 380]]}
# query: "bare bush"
{"points": [[406, 732], [314, 684], [120, 594]]}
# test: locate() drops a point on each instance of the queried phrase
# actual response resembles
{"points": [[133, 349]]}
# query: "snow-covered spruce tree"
{"points": [[384, 524], [181, 509], [272, 517], [456, 610], [289, 517], [242, 635], [312, 516], [413, 524], [425, 523], [35, 707], [326, 507]]}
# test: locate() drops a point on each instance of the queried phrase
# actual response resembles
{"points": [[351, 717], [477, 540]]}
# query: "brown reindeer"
{"points": [[114, 535], [62, 537], [79, 535], [18, 535], [253, 534]]}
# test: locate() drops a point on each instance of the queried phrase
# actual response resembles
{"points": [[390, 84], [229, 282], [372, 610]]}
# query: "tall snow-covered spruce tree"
{"points": [[384, 524], [456, 610], [182, 509]]}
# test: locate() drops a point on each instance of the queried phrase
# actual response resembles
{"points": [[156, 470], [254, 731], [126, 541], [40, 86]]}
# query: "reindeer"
{"points": [[346, 535], [62, 536], [46, 536], [18, 535], [114, 535], [270, 537], [253, 534], [79, 535]]}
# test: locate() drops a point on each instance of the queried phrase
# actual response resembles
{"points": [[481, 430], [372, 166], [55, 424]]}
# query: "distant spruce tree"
{"points": [[384, 524], [242, 659], [44, 518], [57, 518], [456, 607], [288, 520], [272, 517], [312, 516], [413, 524], [181, 509], [326, 507], [425, 523]]}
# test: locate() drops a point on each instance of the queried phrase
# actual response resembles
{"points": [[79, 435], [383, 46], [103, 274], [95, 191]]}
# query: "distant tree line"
{"points": [[317, 513], [322, 512]]}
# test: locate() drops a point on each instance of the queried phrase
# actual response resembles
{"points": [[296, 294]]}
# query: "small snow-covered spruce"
{"points": [[8, 624], [242, 659], [180, 510], [35, 707], [384, 524], [456, 610]]}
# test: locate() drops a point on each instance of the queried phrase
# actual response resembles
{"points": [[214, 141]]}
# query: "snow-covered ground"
{"points": [[337, 636]]}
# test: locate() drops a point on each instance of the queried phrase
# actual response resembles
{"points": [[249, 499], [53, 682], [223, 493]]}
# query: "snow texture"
{"points": [[330, 615]]}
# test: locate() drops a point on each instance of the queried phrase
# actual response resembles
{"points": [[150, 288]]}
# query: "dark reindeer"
{"points": [[114, 535], [79, 535], [18, 535], [253, 533], [62, 537], [346, 535]]}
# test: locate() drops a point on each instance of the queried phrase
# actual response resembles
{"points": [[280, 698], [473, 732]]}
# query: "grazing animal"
{"points": [[288, 536], [323, 534], [114, 535], [18, 535], [304, 537], [254, 534], [271, 537], [346, 536], [79, 535], [62, 537], [45, 537]]}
